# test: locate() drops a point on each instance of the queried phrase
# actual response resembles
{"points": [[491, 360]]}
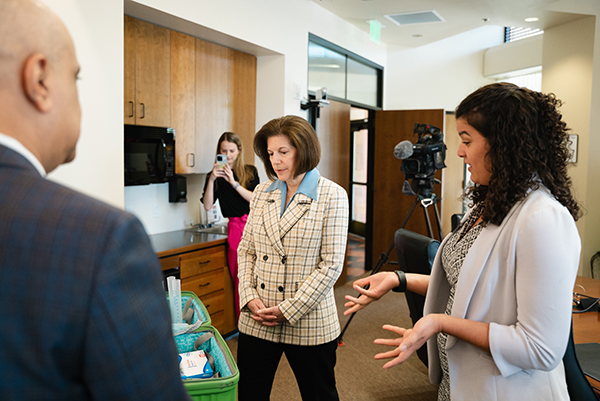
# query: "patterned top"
{"points": [[453, 255]]}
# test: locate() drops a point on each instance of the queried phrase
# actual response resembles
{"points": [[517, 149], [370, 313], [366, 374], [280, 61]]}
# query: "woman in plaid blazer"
{"points": [[291, 255]]}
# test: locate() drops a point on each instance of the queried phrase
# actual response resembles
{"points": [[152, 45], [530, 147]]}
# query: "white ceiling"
{"points": [[459, 16]]}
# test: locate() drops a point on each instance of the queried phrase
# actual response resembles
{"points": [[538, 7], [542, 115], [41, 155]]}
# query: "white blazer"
{"points": [[518, 277]]}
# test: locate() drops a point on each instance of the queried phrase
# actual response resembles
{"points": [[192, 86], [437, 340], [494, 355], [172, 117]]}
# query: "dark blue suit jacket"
{"points": [[82, 311]]}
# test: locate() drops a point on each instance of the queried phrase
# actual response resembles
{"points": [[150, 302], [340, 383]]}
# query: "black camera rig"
{"points": [[429, 154]]}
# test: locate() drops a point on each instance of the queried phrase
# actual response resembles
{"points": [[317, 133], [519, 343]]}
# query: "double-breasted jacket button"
{"points": [[262, 285], [280, 288], [284, 259], [265, 258]]}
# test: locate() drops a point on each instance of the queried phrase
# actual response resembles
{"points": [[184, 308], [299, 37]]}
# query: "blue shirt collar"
{"points": [[308, 187]]}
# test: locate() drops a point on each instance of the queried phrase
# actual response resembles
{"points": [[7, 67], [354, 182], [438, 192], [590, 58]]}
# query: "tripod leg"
{"points": [[437, 219], [428, 221]]}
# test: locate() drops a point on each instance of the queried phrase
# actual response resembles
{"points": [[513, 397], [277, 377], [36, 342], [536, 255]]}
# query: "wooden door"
{"points": [[333, 130], [388, 205], [152, 75], [183, 101]]}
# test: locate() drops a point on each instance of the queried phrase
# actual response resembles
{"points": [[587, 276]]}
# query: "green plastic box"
{"points": [[223, 388]]}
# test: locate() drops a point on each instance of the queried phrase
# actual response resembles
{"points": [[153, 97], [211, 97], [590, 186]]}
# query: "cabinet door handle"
{"points": [[143, 110], [203, 285], [193, 159], [131, 103], [205, 262], [207, 306]]}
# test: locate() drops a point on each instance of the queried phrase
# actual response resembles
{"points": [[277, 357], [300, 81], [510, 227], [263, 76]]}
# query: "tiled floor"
{"points": [[356, 257]]}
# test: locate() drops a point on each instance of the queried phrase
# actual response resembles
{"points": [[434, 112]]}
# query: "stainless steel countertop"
{"points": [[165, 244]]}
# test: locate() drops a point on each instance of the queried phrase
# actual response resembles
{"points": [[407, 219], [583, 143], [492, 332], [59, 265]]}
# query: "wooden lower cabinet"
{"points": [[205, 272]]}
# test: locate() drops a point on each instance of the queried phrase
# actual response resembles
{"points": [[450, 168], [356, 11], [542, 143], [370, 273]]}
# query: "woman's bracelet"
{"points": [[237, 184], [402, 280]]}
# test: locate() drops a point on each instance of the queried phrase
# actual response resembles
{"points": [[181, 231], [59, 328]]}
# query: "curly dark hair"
{"points": [[528, 146]]}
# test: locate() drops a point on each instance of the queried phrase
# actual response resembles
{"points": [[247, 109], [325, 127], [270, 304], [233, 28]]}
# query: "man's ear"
{"points": [[35, 77]]}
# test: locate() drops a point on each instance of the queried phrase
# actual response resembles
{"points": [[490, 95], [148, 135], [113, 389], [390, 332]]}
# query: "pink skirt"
{"points": [[235, 229]]}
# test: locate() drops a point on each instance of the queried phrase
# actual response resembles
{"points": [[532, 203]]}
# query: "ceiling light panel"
{"points": [[423, 17]]}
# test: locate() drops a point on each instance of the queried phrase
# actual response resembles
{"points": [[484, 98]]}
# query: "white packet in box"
{"points": [[194, 365]]}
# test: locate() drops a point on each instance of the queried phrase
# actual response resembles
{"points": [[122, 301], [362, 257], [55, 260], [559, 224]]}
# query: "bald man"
{"points": [[82, 310]]}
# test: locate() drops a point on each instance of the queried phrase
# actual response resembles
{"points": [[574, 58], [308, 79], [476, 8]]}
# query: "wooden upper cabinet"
{"points": [[149, 46], [183, 101], [129, 73], [199, 88], [213, 109], [243, 87], [225, 99]]}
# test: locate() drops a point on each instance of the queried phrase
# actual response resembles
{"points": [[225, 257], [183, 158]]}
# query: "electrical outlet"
{"points": [[297, 91]]}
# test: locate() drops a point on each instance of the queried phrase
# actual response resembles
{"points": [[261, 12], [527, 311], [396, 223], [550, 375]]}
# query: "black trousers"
{"points": [[313, 367]]}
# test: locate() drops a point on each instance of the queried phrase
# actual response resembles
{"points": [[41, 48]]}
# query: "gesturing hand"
{"points": [[379, 285], [410, 340]]}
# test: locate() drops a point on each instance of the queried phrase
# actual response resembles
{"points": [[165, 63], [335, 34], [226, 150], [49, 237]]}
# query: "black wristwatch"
{"points": [[402, 280]]}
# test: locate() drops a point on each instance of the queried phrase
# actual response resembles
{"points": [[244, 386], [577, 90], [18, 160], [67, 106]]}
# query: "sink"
{"points": [[208, 229]]}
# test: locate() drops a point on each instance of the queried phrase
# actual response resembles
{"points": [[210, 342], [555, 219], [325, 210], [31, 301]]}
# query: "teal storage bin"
{"points": [[198, 306], [223, 388]]}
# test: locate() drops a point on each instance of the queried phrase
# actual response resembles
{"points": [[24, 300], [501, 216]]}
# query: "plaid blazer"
{"points": [[82, 312], [294, 261]]}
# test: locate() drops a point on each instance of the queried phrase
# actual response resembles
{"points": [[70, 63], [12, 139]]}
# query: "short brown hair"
{"points": [[302, 137]]}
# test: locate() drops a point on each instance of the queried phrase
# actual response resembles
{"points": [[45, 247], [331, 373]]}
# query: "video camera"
{"points": [[421, 162]]}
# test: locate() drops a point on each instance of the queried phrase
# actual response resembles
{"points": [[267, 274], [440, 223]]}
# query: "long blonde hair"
{"points": [[243, 172]]}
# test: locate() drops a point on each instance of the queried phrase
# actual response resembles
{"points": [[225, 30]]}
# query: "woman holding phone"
{"points": [[231, 181]]}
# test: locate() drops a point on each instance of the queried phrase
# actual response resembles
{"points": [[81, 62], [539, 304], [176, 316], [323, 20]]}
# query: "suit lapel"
{"points": [[294, 212], [472, 267], [271, 219]]}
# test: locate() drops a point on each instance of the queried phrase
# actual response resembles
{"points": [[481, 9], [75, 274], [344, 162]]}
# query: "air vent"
{"points": [[423, 17]]}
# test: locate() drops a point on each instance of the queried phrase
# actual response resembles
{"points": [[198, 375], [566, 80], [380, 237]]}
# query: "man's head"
{"points": [[38, 73]]}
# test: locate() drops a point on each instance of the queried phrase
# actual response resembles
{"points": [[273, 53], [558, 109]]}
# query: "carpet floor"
{"points": [[359, 376]]}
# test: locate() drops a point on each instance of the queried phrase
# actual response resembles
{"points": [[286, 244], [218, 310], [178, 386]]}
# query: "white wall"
{"points": [[97, 30], [568, 62], [524, 54], [438, 75]]}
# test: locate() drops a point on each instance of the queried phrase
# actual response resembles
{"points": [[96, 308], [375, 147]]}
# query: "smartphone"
{"points": [[222, 160]]}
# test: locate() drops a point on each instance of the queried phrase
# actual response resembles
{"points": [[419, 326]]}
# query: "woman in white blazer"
{"points": [[291, 254], [498, 302]]}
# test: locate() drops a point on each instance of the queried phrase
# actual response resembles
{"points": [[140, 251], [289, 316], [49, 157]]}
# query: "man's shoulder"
{"points": [[49, 203]]}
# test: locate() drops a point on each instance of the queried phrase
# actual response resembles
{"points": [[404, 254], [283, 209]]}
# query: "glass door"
{"points": [[358, 171]]}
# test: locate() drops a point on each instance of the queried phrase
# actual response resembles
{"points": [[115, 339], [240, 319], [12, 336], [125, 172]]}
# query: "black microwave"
{"points": [[149, 155]]}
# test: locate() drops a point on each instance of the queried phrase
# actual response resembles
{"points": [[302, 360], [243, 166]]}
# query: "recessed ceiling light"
{"points": [[532, 19]]}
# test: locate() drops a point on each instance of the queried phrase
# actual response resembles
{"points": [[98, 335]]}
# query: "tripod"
{"points": [[425, 203]]}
